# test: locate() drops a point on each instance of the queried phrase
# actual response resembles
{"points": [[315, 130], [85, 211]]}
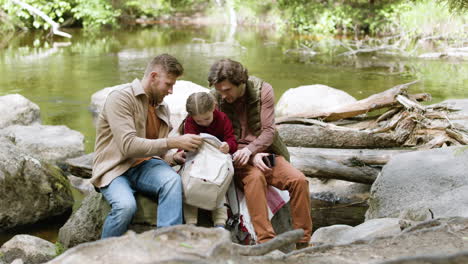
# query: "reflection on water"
{"points": [[61, 77]]}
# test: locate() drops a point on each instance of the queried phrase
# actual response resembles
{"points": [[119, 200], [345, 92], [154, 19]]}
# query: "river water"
{"points": [[60, 75]]}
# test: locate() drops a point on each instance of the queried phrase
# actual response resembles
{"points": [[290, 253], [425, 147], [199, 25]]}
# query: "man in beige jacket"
{"points": [[132, 143]]}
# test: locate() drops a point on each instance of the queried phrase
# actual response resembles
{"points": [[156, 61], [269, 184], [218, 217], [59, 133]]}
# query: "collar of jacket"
{"points": [[162, 109]]}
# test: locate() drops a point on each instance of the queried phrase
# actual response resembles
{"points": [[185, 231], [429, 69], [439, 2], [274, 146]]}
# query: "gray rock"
{"points": [[177, 244], [81, 166], [30, 190], [53, 144], [414, 185], [82, 185], [439, 241], [27, 249], [85, 224], [311, 98], [328, 234], [17, 110], [370, 229]]}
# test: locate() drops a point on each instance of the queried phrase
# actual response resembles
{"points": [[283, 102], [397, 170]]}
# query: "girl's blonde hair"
{"points": [[197, 104]]}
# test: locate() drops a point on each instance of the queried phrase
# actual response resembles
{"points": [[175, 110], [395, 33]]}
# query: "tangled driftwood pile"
{"points": [[406, 124]]}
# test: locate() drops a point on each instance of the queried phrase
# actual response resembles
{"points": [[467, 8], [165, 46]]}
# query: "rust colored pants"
{"points": [[284, 177]]}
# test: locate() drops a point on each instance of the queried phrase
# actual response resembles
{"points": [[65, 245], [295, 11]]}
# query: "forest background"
{"points": [[413, 19]]}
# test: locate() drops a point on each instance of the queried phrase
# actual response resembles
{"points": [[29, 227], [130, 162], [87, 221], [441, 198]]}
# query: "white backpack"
{"points": [[206, 175]]}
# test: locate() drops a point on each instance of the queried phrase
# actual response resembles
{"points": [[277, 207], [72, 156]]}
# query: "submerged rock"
{"points": [[17, 110], [29, 249], [30, 190]]}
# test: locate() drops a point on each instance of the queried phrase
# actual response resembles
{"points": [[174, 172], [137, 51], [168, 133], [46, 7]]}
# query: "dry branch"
{"points": [[279, 241], [55, 26]]}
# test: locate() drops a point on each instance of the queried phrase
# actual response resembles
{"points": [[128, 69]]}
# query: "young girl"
{"points": [[204, 118]]}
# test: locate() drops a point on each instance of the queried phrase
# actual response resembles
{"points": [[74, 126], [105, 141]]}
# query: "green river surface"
{"points": [[61, 75]]}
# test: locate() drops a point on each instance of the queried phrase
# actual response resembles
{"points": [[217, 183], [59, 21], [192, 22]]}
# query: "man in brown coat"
{"points": [[131, 151]]}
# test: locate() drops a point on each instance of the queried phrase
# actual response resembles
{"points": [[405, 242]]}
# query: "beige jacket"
{"points": [[121, 133]]}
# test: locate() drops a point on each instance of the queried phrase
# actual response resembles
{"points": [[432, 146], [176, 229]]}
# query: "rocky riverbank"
{"points": [[407, 206]]}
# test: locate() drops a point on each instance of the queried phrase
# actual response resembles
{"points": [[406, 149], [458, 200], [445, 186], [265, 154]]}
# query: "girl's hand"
{"points": [[224, 148], [179, 157]]}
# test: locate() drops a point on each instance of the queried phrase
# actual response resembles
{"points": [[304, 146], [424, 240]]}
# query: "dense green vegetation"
{"points": [[417, 18]]}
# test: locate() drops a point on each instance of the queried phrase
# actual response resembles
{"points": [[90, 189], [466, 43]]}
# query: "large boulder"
{"points": [[85, 224], [179, 244], [17, 110], [311, 99], [30, 190], [53, 144], [422, 185], [30, 249], [176, 100]]}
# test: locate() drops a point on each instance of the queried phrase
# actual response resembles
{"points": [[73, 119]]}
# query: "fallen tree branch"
{"points": [[373, 102], [279, 241], [55, 26], [344, 156], [319, 167]]}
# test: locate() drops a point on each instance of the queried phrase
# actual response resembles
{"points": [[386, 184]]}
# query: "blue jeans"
{"points": [[154, 178]]}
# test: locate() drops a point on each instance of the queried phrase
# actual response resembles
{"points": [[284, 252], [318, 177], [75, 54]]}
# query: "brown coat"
{"points": [[121, 133]]}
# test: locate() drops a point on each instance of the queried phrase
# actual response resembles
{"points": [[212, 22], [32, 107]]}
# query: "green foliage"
{"points": [[59, 248], [95, 13], [457, 6], [57, 10], [90, 13]]}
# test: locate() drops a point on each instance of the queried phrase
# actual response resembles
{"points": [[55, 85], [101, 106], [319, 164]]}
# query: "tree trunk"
{"points": [[347, 156], [319, 167], [331, 136]]}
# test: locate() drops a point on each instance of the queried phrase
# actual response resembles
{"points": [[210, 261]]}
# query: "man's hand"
{"points": [[179, 157], [188, 142], [224, 148], [241, 157], [258, 162]]}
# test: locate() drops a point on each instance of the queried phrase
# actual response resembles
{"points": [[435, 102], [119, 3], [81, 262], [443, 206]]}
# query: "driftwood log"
{"points": [[406, 123], [374, 102]]}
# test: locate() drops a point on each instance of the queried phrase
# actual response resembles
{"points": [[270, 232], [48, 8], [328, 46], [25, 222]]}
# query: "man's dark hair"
{"points": [[227, 69], [168, 63]]}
